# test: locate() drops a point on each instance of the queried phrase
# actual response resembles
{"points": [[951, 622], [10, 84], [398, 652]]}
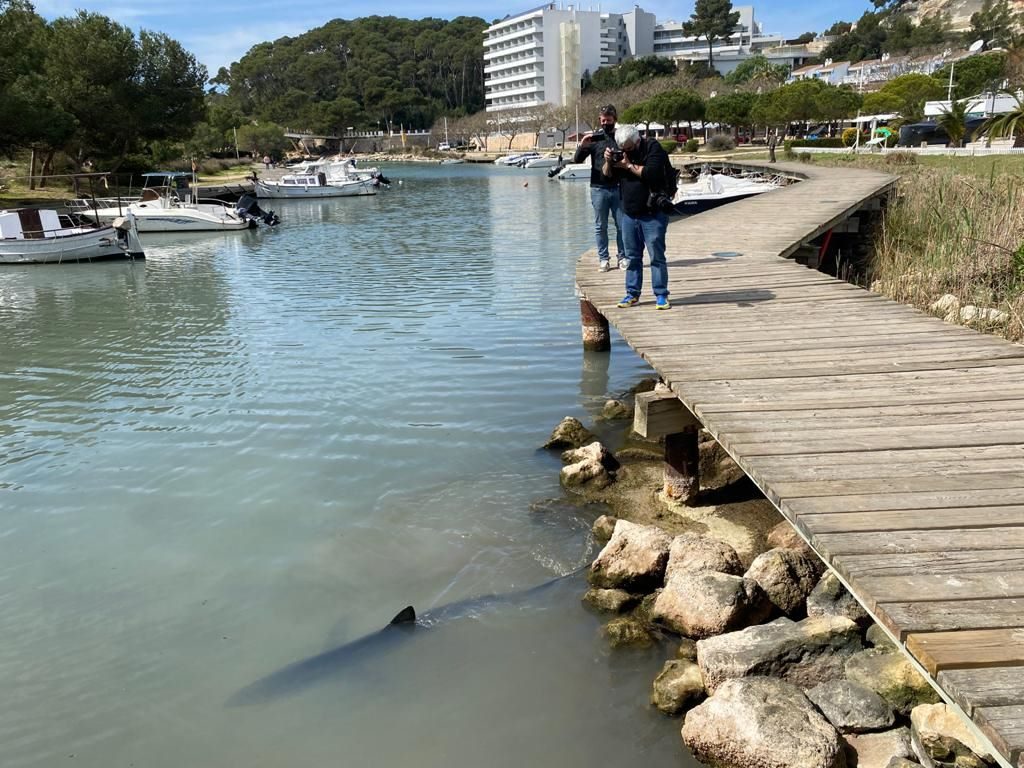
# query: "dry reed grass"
{"points": [[946, 232]]}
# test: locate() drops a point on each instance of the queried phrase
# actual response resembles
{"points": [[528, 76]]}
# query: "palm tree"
{"points": [[953, 121], [1009, 124]]}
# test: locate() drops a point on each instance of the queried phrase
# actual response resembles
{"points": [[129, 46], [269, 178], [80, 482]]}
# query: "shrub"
{"points": [[721, 142], [692, 145], [901, 158], [804, 157], [669, 145], [849, 137]]}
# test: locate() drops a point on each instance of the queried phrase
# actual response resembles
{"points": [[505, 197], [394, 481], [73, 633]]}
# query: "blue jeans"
{"points": [[605, 200], [638, 231]]}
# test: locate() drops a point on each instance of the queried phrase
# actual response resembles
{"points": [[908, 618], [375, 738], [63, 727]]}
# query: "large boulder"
{"points": [[760, 722], [876, 637], [693, 552], [878, 750], [785, 536], [592, 466], [804, 653], [787, 576], [705, 603], [941, 739], [625, 632], [830, 598], [570, 433], [610, 600], [634, 559], [616, 409], [604, 527], [892, 677], [678, 687], [851, 707]]}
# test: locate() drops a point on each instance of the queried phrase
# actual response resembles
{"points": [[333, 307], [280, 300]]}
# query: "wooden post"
{"points": [[662, 414], [596, 336], [32, 169]]}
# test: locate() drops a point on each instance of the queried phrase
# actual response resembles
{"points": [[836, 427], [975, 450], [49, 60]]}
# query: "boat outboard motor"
{"points": [[248, 208], [381, 179]]}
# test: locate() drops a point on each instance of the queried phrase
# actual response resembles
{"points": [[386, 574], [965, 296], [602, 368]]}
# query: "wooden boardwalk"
{"points": [[893, 441]]}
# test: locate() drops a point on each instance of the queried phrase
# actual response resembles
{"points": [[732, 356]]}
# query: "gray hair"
{"points": [[626, 134]]}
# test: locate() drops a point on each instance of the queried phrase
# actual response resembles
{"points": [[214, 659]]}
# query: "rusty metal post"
{"points": [[596, 336], [682, 466]]}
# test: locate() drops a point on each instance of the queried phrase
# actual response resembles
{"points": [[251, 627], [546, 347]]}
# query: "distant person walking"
{"points": [[773, 141], [266, 162], [604, 190], [641, 167]]}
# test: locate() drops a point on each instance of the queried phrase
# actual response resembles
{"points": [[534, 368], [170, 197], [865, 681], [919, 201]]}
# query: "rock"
{"points": [[784, 536], [902, 762], [851, 707], [693, 552], [876, 637], [592, 465], [604, 527], [716, 467], [634, 559], [646, 607], [805, 653], [705, 603], [678, 687], [878, 750], [992, 316], [570, 433], [969, 314], [626, 631], [646, 385], [892, 677], [945, 306], [616, 409], [787, 576], [941, 738], [687, 649], [830, 598], [759, 722], [610, 600]]}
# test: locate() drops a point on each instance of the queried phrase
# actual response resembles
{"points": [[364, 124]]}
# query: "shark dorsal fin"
{"points": [[405, 616]]}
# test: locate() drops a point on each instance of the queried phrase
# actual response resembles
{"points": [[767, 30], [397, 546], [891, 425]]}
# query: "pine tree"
{"points": [[712, 19]]}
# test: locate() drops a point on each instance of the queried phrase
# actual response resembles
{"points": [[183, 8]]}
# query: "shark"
{"points": [[298, 676]]}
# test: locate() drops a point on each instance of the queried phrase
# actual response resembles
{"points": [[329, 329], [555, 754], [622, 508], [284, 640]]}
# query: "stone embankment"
{"points": [[774, 664]]}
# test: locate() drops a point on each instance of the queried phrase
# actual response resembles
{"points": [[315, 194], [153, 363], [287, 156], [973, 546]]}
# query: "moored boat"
{"points": [[306, 185], [574, 172], [711, 190], [43, 236]]}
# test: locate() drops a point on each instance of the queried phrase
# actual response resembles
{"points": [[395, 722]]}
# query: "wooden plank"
{"points": [[958, 539], [968, 649], [904, 618], [800, 467], [661, 413], [965, 584], [892, 501], [705, 407], [856, 568], [899, 440], [992, 687], [948, 481], [912, 519], [1004, 726]]}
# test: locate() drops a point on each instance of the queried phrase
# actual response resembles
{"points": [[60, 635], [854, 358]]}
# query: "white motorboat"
{"points": [[544, 161], [42, 236], [306, 185], [519, 158], [160, 210], [574, 172], [711, 190]]}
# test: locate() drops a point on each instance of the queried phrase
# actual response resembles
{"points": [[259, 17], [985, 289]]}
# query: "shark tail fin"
{"points": [[405, 616]]}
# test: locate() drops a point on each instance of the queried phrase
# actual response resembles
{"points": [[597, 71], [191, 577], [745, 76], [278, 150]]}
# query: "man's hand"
{"points": [[623, 163]]}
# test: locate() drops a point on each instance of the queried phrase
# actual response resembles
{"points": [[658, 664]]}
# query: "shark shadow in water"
{"points": [[300, 675]]}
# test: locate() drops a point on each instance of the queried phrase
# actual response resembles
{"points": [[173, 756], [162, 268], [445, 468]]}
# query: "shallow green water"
{"points": [[253, 447]]}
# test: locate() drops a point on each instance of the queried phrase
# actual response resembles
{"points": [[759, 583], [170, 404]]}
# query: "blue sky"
{"points": [[221, 31]]}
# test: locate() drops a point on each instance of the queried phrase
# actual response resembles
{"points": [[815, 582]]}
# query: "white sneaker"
{"points": [[603, 266], [623, 262]]}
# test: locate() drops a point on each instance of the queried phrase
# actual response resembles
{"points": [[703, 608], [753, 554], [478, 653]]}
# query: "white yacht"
{"points": [[309, 183], [575, 172]]}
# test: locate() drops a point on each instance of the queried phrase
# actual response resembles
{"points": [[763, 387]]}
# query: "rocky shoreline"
{"points": [[773, 663]]}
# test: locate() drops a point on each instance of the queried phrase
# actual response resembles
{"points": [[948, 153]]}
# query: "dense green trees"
{"points": [[370, 72], [974, 75], [86, 85], [758, 69], [630, 72]]}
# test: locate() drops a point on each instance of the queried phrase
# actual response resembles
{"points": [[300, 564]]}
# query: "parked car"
{"points": [[444, 146]]}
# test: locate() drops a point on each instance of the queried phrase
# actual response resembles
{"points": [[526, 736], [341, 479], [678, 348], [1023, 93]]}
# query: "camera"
{"points": [[618, 155]]}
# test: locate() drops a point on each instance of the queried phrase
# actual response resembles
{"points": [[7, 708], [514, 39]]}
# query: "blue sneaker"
{"points": [[628, 301], [660, 302]]}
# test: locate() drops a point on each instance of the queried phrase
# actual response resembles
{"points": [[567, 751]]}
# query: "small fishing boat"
{"points": [[160, 210], [519, 158], [544, 161], [574, 172], [306, 185], [710, 190], [43, 236]]}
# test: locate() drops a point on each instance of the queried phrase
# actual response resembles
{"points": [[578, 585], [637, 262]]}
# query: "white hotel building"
{"points": [[540, 55]]}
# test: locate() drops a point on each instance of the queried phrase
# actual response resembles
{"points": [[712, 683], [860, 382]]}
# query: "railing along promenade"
{"points": [[892, 441]]}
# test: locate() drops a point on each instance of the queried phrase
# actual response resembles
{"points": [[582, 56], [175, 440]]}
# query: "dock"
{"points": [[891, 440]]}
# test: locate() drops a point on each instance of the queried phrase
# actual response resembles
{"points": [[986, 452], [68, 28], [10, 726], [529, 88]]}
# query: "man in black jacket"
{"points": [[640, 165], [604, 190]]}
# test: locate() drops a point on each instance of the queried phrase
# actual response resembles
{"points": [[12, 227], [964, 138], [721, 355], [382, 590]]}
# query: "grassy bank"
{"points": [[955, 226]]}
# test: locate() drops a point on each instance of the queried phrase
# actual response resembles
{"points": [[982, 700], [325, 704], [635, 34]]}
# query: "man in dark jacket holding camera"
{"points": [[604, 190], [641, 167]]}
